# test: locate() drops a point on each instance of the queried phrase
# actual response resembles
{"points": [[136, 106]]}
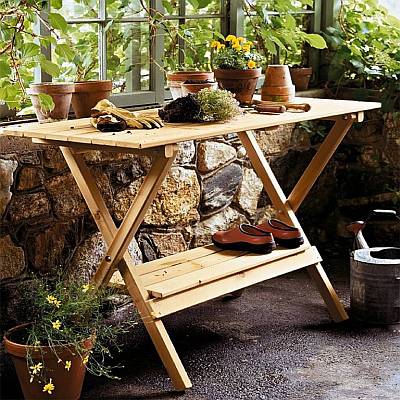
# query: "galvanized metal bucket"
{"points": [[374, 278], [375, 285]]}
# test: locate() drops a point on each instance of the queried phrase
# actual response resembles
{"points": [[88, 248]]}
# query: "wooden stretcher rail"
{"points": [[170, 275], [231, 282]]}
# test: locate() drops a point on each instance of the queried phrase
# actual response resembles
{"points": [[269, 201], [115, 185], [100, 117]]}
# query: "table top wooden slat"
{"points": [[80, 131]]}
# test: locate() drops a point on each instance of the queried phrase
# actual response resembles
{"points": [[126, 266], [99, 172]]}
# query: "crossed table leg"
{"points": [[118, 239]]}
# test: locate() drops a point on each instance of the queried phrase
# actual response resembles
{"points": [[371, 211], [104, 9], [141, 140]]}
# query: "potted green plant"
{"points": [[237, 66], [277, 29], [20, 54], [66, 336]]}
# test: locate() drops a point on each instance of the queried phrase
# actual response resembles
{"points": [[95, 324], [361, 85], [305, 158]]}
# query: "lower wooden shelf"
{"points": [[191, 277]]}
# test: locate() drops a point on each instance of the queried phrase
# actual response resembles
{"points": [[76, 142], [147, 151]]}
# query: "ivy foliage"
{"points": [[364, 49]]}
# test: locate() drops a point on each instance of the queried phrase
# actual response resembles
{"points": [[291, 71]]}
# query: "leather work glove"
{"points": [[106, 117]]}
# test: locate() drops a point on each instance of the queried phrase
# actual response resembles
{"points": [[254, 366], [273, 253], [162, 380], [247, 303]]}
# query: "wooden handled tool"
{"points": [[270, 108], [294, 106]]}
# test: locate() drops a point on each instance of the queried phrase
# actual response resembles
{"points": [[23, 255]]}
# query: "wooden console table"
{"points": [[173, 283]]}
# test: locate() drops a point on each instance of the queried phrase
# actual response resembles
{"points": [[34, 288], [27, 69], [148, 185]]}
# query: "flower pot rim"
{"points": [[182, 75], [200, 84], [93, 86], [221, 73], [20, 350], [51, 87]]}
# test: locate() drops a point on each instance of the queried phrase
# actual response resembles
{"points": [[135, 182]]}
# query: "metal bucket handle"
{"points": [[356, 227]]}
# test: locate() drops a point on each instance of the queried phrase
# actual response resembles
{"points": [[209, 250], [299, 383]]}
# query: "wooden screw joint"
{"points": [[108, 258]]}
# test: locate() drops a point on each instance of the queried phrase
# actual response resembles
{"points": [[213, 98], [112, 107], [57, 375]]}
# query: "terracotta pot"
{"points": [[241, 82], [68, 384], [87, 94], [301, 77], [278, 84], [175, 80], [196, 87], [61, 93]]}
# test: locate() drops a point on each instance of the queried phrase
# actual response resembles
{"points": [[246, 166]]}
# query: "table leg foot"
{"points": [[168, 355], [328, 293]]}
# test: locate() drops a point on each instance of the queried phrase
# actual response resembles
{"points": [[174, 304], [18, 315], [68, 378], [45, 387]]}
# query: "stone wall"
{"points": [[45, 225]]}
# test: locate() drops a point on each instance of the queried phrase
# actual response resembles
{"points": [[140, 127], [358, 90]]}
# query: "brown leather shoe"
{"points": [[284, 235], [246, 238]]}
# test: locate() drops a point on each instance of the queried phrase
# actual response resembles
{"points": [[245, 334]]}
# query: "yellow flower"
{"points": [[251, 64], [57, 324], [234, 42], [222, 46], [36, 368], [230, 38], [31, 380], [248, 43], [68, 365], [241, 39], [237, 47], [49, 387], [215, 43], [53, 300], [85, 288], [85, 359], [246, 48]]}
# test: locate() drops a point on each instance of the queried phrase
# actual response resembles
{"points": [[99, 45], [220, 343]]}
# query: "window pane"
{"points": [[128, 56], [84, 63], [126, 8], [74, 9], [203, 7]]}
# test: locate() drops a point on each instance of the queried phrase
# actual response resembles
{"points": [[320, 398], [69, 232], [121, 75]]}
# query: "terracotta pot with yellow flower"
{"points": [[237, 67], [66, 337]]}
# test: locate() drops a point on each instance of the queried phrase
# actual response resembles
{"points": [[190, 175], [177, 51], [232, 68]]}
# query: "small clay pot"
{"points": [[301, 77], [196, 87], [61, 93], [241, 82], [68, 384], [87, 94], [278, 84], [175, 80]]}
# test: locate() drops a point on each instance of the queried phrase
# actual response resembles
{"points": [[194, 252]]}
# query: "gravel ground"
{"points": [[275, 342]]}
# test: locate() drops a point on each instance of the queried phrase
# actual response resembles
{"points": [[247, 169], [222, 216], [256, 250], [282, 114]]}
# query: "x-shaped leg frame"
{"points": [[118, 239], [287, 206]]}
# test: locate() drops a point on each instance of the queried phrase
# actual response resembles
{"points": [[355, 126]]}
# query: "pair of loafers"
{"points": [[262, 238]]}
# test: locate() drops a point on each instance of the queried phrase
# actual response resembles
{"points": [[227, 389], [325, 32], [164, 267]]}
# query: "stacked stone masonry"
{"points": [[45, 225]]}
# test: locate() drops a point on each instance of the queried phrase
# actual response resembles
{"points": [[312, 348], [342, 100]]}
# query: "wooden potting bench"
{"points": [[173, 283]]}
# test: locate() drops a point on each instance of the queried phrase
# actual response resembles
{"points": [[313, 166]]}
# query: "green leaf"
{"points": [[5, 69], [270, 45], [168, 7], [46, 102], [64, 51], [290, 22], [57, 21], [30, 49], [56, 4], [26, 111], [316, 40], [49, 67], [194, 3]]}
